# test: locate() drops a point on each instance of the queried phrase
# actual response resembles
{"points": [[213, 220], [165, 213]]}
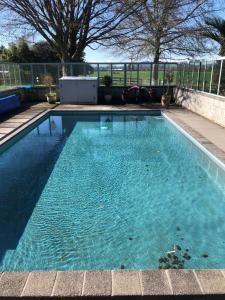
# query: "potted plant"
{"points": [[51, 96], [166, 96], [107, 81]]}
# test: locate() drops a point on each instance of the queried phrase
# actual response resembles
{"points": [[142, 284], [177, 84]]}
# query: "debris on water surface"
{"points": [[122, 267], [178, 247], [100, 206], [186, 256], [205, 255], [174, 259]]}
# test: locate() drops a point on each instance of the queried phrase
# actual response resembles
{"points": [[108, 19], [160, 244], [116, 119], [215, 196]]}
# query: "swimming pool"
{"points": [[109, 191]]}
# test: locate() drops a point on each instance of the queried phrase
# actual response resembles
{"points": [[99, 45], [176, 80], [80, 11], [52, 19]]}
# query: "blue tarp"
{"points": [[25, 86], [9, 103]]}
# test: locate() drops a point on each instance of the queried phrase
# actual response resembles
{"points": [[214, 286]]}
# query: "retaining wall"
{"points": [[207, 105]]}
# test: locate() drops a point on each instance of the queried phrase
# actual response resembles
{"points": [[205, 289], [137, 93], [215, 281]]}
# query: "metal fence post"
{"points": [[3, 73], [210, 85], [218, 88], [58, 71], [32, 74], [203, 87], [125, 74], [198, 78], [10, 80], [98, 74], [164, 72], [192, 75], [138, 74], [20, 79], [150, 74]]}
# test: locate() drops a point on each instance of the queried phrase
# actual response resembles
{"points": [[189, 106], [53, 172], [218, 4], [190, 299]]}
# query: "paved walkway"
{"points": [[210, 130], [10, 122]]}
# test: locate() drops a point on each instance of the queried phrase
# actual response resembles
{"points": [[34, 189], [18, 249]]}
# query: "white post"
{"points": [[203, 88], [221, 66], [210, 85]]}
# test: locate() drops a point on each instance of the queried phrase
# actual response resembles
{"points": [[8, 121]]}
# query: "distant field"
{"points": [[132, 77]]}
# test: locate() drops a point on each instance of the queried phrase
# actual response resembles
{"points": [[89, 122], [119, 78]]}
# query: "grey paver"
{"points": [[68, 284], [211, 281], [4, 130], [98, 283], [39, 284], [125, 283], [12, 284], [9, 125], [184, 282], [155, 282]]}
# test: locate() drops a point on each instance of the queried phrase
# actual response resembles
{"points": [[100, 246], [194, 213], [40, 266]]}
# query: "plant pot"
{"points": [[108, 98], [51, 99], [165, 100]]}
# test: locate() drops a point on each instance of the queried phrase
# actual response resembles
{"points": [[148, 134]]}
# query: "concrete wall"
{"points": [[207, 105]]}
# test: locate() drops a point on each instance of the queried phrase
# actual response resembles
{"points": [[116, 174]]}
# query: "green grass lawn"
{"points": [[132, 77]]}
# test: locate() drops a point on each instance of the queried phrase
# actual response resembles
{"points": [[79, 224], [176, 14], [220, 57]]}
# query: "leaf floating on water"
{"points": [[205, 255], [186, 256], [100, 206]]}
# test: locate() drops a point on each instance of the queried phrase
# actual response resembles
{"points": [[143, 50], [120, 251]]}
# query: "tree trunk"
{"points": [[64, 69], [155, 68]]}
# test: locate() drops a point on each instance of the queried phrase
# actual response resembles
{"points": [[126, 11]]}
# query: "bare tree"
{"points": [[166, 27], [69, 26]]}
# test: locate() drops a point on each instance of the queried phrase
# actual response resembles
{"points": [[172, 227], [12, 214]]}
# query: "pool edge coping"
{"points": [[8, 137], [113, 283], [117, 283]]}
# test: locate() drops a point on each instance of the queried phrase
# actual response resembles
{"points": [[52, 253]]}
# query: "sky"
{"points": [[102, 55]]}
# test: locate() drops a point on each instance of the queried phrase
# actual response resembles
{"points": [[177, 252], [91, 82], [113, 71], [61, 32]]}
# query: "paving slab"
{"points": [[97, 283], [125, 282], [12, 284], [212, 131], [19, 120], [9, 124], [39, 284], [4, 130], [155, 282], [184, 282], [211, 281], [68, 284]]}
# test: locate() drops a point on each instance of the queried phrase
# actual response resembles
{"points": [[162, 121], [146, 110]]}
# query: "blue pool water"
{"points": [[108, 192]]}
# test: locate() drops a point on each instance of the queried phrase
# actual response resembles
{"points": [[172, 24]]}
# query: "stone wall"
{"points": [[207, 105]]}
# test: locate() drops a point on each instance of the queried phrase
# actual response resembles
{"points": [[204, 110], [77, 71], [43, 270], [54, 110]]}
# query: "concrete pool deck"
{"points": [[122, 284]]}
